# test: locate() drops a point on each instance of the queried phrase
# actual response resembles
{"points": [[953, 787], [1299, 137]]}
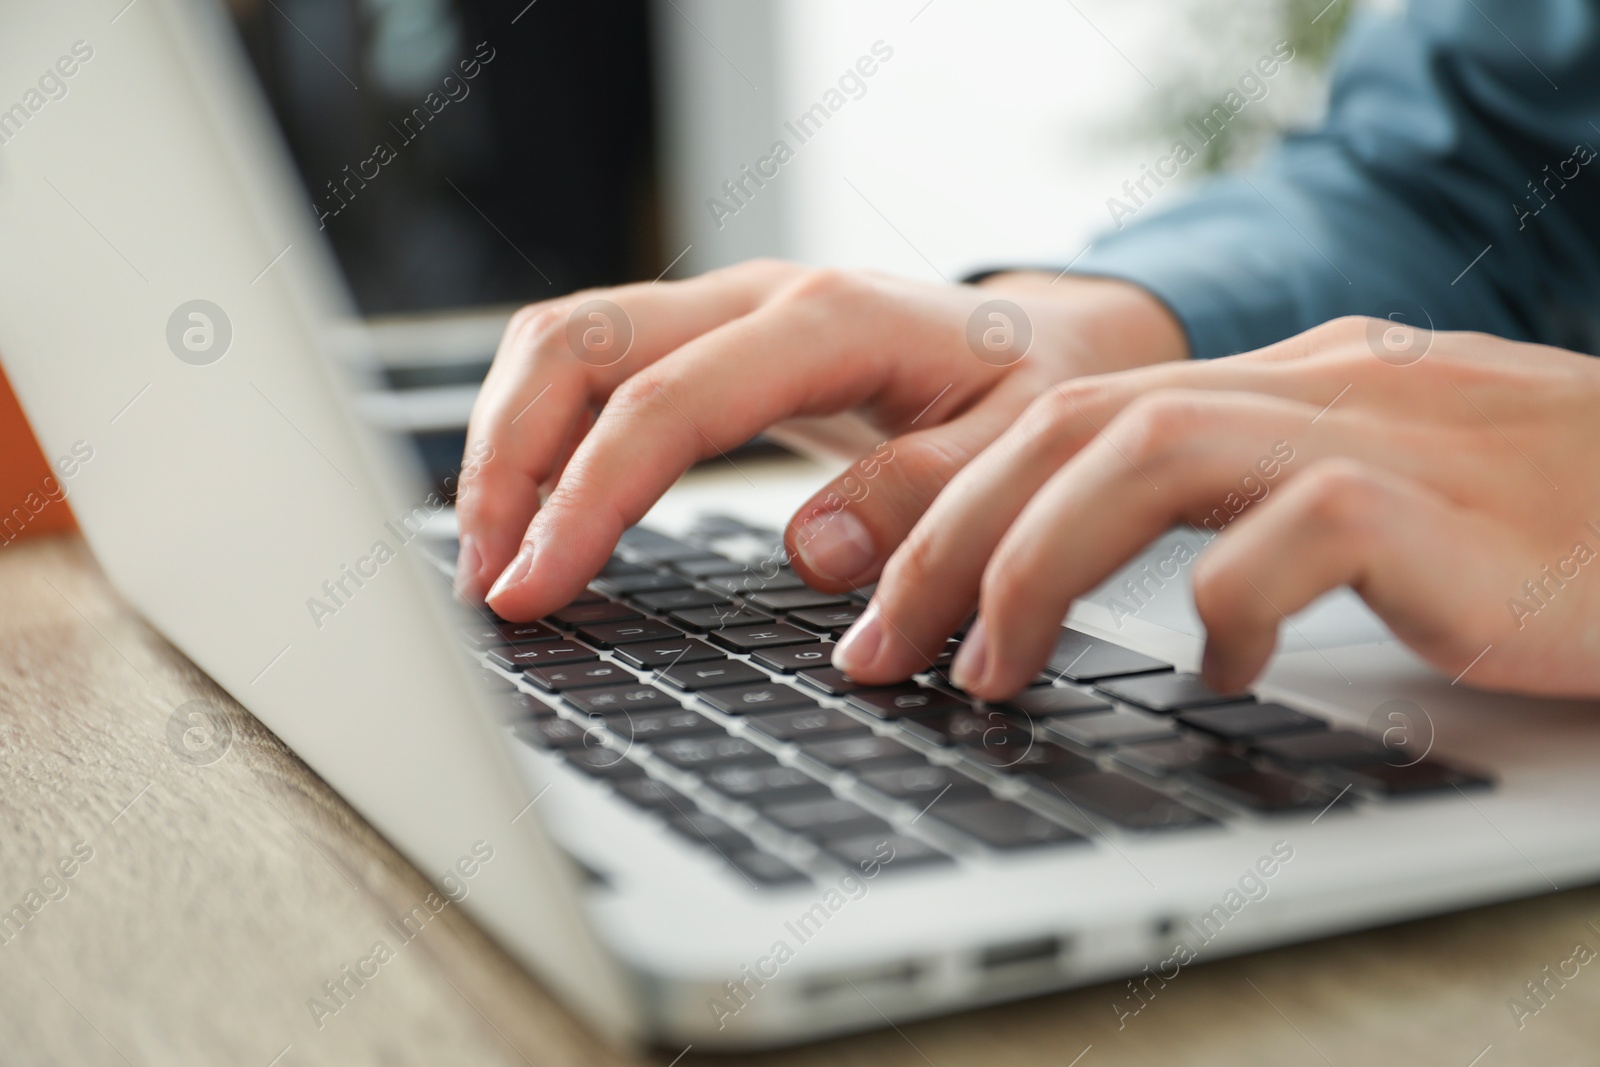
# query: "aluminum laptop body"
{"points": [[167, 302]]}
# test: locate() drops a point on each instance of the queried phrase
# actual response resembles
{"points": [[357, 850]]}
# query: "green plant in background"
{"points": [[1232, 33]]}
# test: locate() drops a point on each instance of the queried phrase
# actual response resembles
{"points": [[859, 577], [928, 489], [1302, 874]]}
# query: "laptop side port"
{"points": [[901, 975], [1011, 956]]}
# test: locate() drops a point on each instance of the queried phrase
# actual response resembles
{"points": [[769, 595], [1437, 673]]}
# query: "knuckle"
{"points": [[1064, 405], [915, 563], [532, 326], [637, 396], [1343, 328], [926, 461], [1340, 494], [1149, 427], [823, 285]]}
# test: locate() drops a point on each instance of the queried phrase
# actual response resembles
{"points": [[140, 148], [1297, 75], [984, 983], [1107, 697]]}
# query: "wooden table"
{"points": [[201, 923]]}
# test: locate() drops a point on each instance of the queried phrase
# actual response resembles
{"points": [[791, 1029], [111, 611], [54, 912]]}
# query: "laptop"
{"points": [[662, 799]]}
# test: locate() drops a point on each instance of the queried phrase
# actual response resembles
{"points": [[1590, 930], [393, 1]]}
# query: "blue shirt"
{"points": [[1456, 173]]}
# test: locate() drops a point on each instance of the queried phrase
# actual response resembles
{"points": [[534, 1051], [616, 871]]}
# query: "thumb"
{"points": [[841, 538]]}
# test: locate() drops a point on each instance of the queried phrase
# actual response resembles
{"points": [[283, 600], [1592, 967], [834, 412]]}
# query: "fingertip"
{"points": [[1231, 666], [876, 652]]}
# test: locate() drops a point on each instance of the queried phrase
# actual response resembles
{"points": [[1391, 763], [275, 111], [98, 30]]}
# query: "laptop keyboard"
{"points": [[698, 687]]}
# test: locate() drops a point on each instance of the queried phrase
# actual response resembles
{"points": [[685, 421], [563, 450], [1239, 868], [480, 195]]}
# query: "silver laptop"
{"points": [[661, 799]]}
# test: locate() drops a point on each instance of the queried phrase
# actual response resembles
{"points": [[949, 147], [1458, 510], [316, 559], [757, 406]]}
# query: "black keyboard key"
{"points": [[828, 620], [627, 632], [693, 753], [1264, 791], [1184, 755], [493, 635], [763, 696], [552, 731], [578, 676], [705, 829], [709, 567], [708, 674], [1003, 825], [717, 618], [600, 762], [764, 784], [882, 853], [862, 594], [863, 753], [765, 869], [637, 696], [1242, 722], [794, 657], [754, 582], [1040, 760], [750, 638], [1081, 658], [654, 655], [802, 724], [640, 543], [618, 567], [548, 654], [969, 726], [680, 600], [1409, 779], [900, 701], [793, 599], [1047, 700], [653, 795], [655, 726], [633, 584], [1339, 748], [1168, 692], [1127, 803], [829, 680], [921, 785], [602, 611], [826, 819], [1098, 729]]}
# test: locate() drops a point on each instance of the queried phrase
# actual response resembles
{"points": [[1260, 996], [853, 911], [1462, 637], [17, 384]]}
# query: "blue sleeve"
{"points": [[1456, 171]]}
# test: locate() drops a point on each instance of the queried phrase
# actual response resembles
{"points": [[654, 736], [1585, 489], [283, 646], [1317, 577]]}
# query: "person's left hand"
{"points": [[1450, 479]]}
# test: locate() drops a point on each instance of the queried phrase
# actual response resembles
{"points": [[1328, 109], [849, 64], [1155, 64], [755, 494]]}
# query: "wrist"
{"points": [[1093, 325]]}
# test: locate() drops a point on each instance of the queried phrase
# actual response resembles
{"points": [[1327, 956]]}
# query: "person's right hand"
{"points": [[584, 431]]}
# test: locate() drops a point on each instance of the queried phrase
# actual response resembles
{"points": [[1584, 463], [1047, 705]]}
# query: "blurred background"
{"points": [[604, 141]]}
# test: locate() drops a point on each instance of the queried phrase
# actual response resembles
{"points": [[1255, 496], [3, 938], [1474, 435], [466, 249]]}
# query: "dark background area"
{"points": [[539, 180]]}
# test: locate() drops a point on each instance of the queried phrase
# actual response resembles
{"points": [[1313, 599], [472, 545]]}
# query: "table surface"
{"points": [[200, 922]]}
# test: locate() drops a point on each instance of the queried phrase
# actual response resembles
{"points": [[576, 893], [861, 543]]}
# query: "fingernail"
{"points": [[468, 561], [859, 647], [514, 573], [972, 659], [837, 546]]}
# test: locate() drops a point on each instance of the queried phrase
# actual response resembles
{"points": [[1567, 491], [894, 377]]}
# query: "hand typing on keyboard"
{"points": [[1454, 492], [708, 363]]}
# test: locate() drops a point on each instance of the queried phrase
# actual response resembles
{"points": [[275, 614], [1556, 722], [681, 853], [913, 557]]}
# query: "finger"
{"points": [[1436, 573], [840, 538], [717, 392], [1175, 456], [931, 582], [550, 368]]}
